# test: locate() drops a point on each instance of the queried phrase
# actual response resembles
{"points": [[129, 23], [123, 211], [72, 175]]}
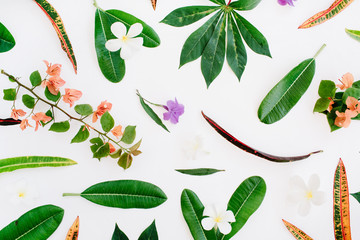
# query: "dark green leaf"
{"points": [[7, 41], [213, 57], [321, 105], [331, 119], [50, 96], [339, 95], [28, 101], [118, 234], [242, 5], [10, 94], [199, 171], [102, 151], [60, 127], [35, 79], [107, 122], [188, 15], [150, 233], [197, 41], [97, 143], [82, 135], [327, 89], [356, 196], [125, 161], [253, 38], [39, 223], [83, 109], [129, 135], [356, 84], [351, 92], [152, 114]]}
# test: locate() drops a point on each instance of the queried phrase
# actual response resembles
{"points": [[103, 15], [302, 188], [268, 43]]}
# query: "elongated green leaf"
{"points": [[12, 164], [199, 171], [39, 223], [243, 5], [188, 15], [28, 101], [152, 114], [296, 232], [107, 122], [246, 199], [82, 135], [50, 96], [213, 57], [192, 210], [253, 37], [150, 233], [9, 94], [83, 109], [35, 78], [118, 234], [59, 27], [235, 51], [7, 41], [129, 135], [60, 127], [356, 196], [355, 34], [124, 194], [197, 41]]}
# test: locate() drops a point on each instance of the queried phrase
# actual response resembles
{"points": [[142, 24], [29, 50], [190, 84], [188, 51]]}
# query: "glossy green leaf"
{"points": [[12, 164], [125, 161], [83, 109], [243, 5], [188, 15], [327, 89], [39, 223], [355, 34], [9, 94], [356, 196], [235, 51], [152, 114], [35, 79], [102, 151], [118, 234], [192, 210], [150, 233], [107, 122], [28, 101], [253, 37], [351, 92], [7, 41], [199, 171], [60, 127], [197, 41], [246, 199], [50, 96], [82, 135], [321, 105], [129, 135], [213, 57], [124, 194]]}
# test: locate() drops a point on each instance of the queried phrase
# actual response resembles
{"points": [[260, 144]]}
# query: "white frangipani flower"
{"points": [[304, 195], [21, 193], [126, 40], [194, 147], [219, 218]]}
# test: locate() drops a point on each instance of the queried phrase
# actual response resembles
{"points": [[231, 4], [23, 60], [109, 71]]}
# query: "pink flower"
{"points": [[117, 131], [16, 113], [343, 119], [346, 81], [24, 124], [330, 105], [53, 70], [353, 106], [40, 116], [112, 148], [101, 109], [71, 95], [54, 84]]}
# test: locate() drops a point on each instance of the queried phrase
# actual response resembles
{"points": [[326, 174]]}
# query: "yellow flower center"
{"points": [[125, 38], [309, 195], [21, 194], [218, 219]]}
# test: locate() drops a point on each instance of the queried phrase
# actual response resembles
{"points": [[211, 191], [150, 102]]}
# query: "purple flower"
{"points": [[284, 2], [174, 111]]}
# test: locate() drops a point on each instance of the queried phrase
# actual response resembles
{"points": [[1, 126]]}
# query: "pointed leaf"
{"points": [[188, 15], [7, 41], [150, 233], [82, 135], [118, 234], [9, 94], [243, 5], [153, 3], [296, 232], [107, 122], [356, 196], [73, 232], [321, 105], [59, 27], [355, 34], [60, 127], [28, 101], [83, 109], [152, 114], [199, 171], [35, 79], [50, 96], [39, 223], [129, 135]]}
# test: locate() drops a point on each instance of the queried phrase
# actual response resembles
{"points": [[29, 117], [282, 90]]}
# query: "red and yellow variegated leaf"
{"points": [[73, 232], [341, 204], [153, 2], [327, 14], [296, 232], [58, 25]]}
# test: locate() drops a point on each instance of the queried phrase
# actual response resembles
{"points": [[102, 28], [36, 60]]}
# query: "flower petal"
{"points": [[297, 183], [113, 45], [208, 223], [135, 30], [304, 208], [126, 52], [318, 198], [224, 227], [314, 182], [118, 29], [229, 216]]}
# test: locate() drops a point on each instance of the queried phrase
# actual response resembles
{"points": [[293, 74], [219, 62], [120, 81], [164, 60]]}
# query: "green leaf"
{"points": [[129, 135], [199, 171], [331, 119], [49, 114], [9, 94], [35, 79], [116, 154], [351, 92], [356, 196], [107, 122], [188, 15], [39, 223], [284, 96], [50, 96], [102, 151], [124, 194], [125, 161], [28, 101], [253, 37], [356, 84], [235, 51], [82, 135], [7, 41], [327, 89], [246, 199], [150, 233], [321, 105], [60, 127], [152, 114], [12, 164], [197, 41], [97, 143], [192, 210], [118, 234], [243, 5], [83, 109], [213, 57], [355, 34]]}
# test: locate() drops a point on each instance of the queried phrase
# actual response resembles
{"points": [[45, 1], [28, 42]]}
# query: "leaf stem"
{"points": [[320, 50], [96, 5], [71, 194], [155, 104]]}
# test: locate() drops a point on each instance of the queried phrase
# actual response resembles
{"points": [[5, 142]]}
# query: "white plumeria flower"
{"points": [[304, 195], [219, 218], [126, 40], [21, 193], [193, 148]]}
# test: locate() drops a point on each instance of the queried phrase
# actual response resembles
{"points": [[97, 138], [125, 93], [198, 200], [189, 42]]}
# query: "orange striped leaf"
{"points": [[58, 25], [327, 14], [341, 204], [73, 232], [153, 2], [296, 232]]}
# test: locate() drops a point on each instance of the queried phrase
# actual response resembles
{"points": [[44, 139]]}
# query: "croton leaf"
{"points": [[296, 232], [73, 232]]}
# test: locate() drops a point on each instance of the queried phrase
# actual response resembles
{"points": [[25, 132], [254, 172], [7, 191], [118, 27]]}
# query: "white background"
{"points": [[232, 104]]}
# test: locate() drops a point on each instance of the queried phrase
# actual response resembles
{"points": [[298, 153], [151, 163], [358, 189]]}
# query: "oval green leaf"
{"points": [[60, 127], [107, 122], [321, 105], [35, 79], [28, 101], [102, 151], [243, 5], [83, 109], [7, 41], [9, 94], [150, 233], [50, 96], [82, 135], [39, 223], [129, 135], [327, 89], [199, 171]]}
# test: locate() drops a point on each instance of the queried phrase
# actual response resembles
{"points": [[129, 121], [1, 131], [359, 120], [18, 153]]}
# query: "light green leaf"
{"points": [[327, 89], [12, 164], [35, 79], [152, 114], [107, 122], [9, 94], [355, 34], [243, 5], [124, 194], [39, 223], [321, 105], [188, 15], [60, 127], [199, 171], [7, 41], [118, 234], [82, 135], [150, 233], [83, 109], [129, 135], [50, 96], [28, 101], [125, 161]]}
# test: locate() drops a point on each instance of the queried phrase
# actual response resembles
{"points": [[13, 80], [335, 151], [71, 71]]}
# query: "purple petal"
{"points": [[167, 116]]}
